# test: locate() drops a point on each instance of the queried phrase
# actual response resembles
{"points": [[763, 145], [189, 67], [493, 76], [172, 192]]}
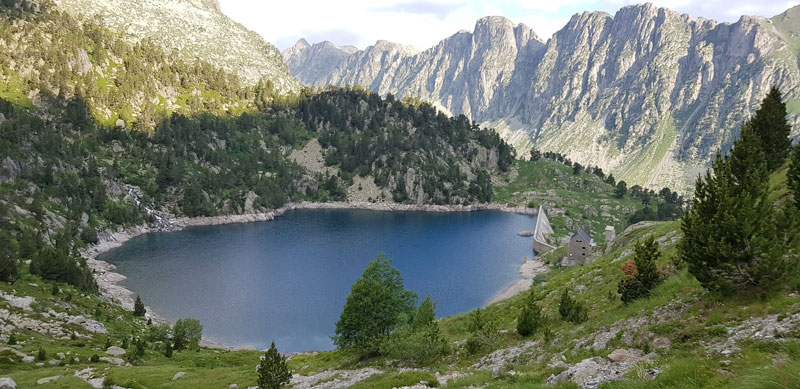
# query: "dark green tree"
{"points": [[535, 154], [646, 253], [531, 319], [138, 307], [730, 239], [376, 305], [621, 189], [572, 310], [770, 124], [793, 175], [8, 260], [273, 372]]}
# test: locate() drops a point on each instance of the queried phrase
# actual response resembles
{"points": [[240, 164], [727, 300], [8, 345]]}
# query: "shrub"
{"points": [[41, 355], [531, 318], [631, 289], [420, 341], [483, 332], [572, 310], [641, 274], [95, 358], [12, 340]]}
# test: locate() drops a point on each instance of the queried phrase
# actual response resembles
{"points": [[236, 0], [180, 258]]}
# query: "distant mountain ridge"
{"points": [[196, 29], [648, 94]]}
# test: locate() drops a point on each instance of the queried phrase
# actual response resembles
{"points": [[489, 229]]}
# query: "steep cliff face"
{"points": [[462, 74], [195, 28], [312, 61], [648, 94]]}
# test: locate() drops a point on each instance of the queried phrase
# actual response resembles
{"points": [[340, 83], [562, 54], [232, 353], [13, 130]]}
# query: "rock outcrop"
{"points": [[647, 94]]}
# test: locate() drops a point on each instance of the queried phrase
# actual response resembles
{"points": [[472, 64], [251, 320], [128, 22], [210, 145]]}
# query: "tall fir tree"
{"points": [[730, 240], [273, 372], [794, 175], [770, 124]]}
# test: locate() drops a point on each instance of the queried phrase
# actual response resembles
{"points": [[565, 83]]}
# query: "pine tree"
{"points": [[572, 310], [272, 370], [769, 123], [531, 319], [8, 261], [646, 255], [565, 306], [794, 175], [730, 239], [621, 190], [138, 307]]}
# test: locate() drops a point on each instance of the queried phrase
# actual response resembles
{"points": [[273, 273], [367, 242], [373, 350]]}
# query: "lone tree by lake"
{"points": [[273, 372], [377, 304], [138, 307]]}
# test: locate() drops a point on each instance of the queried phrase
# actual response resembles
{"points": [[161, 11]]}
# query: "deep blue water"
{"points": [[286, 280]]}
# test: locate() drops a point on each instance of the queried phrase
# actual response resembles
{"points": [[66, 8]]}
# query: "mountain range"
{"points": [[648, 94]]}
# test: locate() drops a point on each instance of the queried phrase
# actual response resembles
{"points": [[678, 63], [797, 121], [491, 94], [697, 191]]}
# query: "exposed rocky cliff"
{"points": [[648, 94], [195, 28]]}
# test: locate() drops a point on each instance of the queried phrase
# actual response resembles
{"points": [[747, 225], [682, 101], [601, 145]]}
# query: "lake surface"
{"points": [[287, 280]]}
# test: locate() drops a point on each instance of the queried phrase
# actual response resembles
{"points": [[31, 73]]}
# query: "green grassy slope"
{"points": [[576, 201]]}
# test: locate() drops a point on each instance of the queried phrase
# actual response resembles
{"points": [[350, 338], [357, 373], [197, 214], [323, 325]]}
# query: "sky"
{"points": [[422, 24]]}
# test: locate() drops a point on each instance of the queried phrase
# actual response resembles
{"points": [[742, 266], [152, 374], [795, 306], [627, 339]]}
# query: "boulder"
{"points": [[179, 375], [662, 343], [47, 380], [7, 383], [60, 356], [54, 362], [624, 355], [28, 359], [113, 361], [115, 351]]}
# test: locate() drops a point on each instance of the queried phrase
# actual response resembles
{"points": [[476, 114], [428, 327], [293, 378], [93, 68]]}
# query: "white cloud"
{"points": [[422, 23]]}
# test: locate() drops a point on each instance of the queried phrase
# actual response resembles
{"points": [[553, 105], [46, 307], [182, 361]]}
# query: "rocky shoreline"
{"points": [[108, 280], [529, 269]]}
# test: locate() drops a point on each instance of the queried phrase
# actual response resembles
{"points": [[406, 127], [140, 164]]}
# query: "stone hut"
{"points": [[610, 233], [579, 248]]}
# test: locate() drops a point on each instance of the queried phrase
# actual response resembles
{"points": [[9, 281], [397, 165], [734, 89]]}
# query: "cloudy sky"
{"points": [[422, 23]]}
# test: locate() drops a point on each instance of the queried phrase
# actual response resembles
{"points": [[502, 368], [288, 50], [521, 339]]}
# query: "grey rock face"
{"points": [[195, 29], [648, 94]]}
